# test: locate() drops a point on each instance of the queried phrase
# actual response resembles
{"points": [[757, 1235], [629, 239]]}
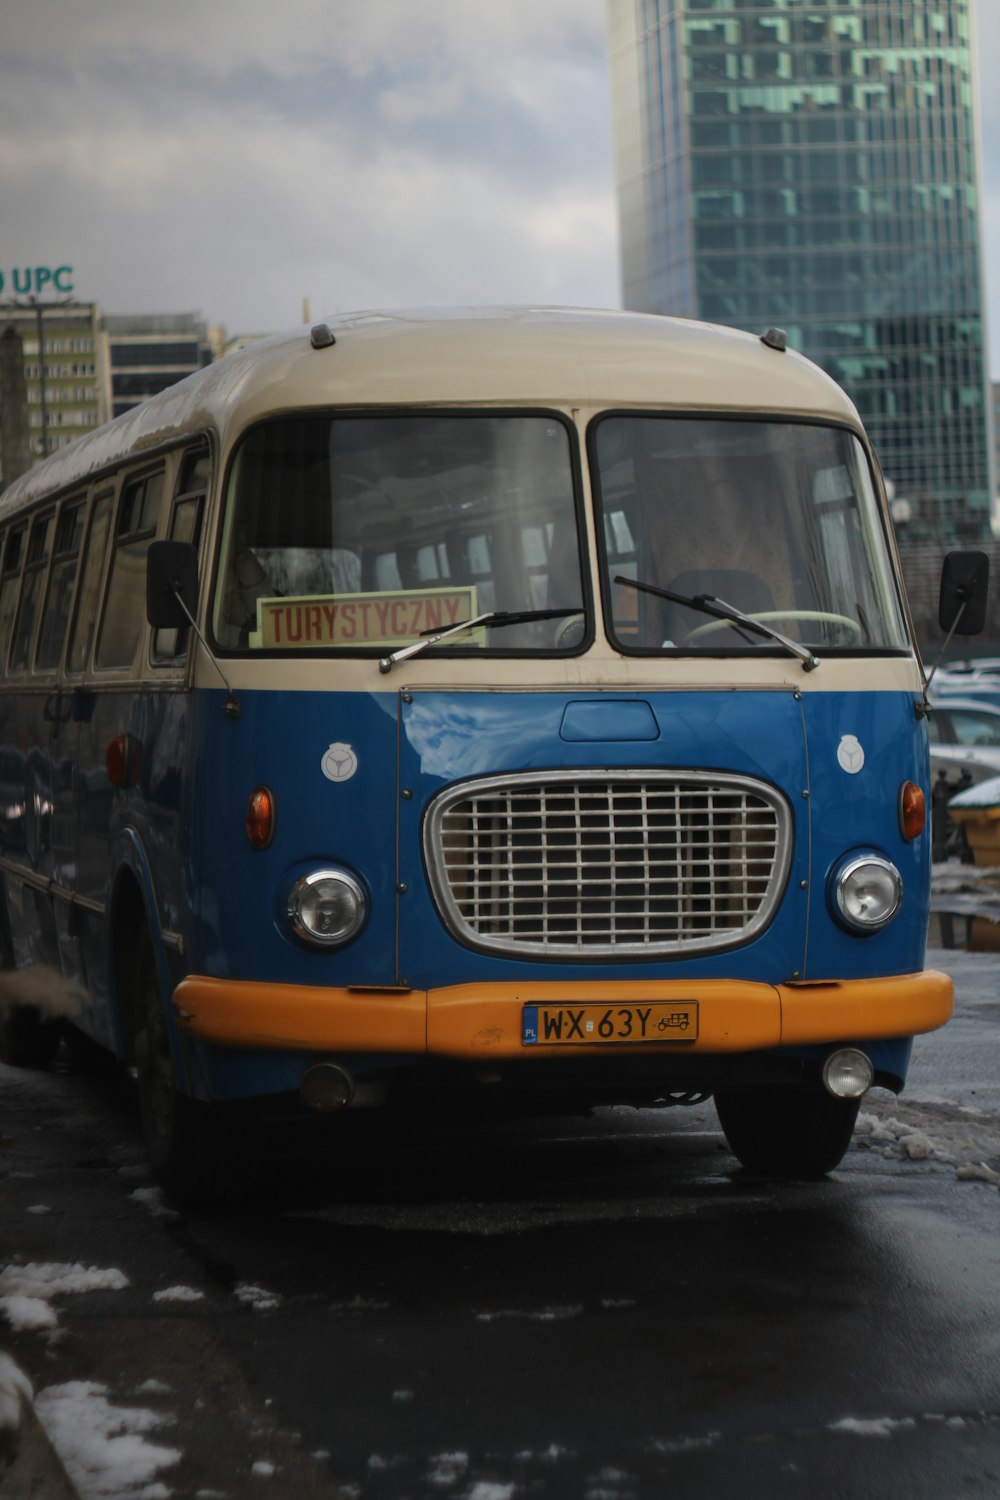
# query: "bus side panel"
{"points": [[99, 815]]}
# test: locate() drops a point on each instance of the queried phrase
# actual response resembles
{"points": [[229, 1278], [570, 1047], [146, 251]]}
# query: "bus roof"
{"points": [[558, 357]]}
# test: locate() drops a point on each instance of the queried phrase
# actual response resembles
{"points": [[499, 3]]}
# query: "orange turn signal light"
{"points": [[261, 817], [912, 810], [123, 760]]}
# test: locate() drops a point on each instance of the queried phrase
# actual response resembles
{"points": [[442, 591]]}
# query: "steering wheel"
{"points": [[569, 632], [766, 616]]}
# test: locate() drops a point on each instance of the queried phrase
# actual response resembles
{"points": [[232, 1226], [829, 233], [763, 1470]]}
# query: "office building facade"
{"points": [[65, 370], [150, 351], [812, 164]]}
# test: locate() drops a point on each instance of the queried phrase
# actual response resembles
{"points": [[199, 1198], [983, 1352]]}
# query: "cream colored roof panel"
{"points": [[553, 356]]}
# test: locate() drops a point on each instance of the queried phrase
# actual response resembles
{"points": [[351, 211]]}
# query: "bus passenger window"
{"points": [[125, 609], [91, 572], [36, 567], [10, 580], [69, 534]]}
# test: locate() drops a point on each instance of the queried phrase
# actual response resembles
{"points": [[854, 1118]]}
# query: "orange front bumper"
{"points": [[476, 1020]]}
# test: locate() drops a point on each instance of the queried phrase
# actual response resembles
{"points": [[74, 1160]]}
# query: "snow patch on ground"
{"points": [[880, 1427], [40, 988], [543, 1315], [448, 1469], [26, 1292], [957, 1139], [152, 1200], [359, 1304], [256, 1297], [104, 1448], [685, 1444], [179, 1294], [15, 1387]]}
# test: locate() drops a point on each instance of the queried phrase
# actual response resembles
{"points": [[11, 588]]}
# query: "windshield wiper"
{"points": [[492, 618], [709, 604]]}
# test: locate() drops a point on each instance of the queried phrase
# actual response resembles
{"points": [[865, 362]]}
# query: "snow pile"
{"points": [[15, 1387], [256, 1297], [103, 1447], [26, 1292], [152, 1200], [954, 1144], [448, 1469], [39, 988], [543, 1315], [881, 1427]]}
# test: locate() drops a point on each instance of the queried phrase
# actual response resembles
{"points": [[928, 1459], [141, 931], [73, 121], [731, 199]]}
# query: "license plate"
{"points": [[607, 1025]]}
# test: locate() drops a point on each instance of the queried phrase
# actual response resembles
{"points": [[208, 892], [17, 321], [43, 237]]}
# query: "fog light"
{"points": [[327, 908], [868, 891], [848, 1074], [327, 1088]]}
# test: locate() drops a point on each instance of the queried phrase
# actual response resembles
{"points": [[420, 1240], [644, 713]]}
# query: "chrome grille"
{"points": [[607, 862]]}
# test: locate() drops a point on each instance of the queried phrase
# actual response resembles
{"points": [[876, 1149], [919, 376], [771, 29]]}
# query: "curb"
{"points": [[36, 1472]]}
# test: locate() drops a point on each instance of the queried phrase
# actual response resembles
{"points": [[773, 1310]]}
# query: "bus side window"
{"points": [[35, 572], [89, 592], [193, 478], [10, 580], [125, 606], [69, 534]]}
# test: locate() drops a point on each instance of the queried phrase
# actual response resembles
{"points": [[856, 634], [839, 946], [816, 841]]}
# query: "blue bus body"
{"points": [[541, 852]]}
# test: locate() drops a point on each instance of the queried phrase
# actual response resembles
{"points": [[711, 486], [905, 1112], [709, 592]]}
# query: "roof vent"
{"points": [[321, 336], [774, 338]]}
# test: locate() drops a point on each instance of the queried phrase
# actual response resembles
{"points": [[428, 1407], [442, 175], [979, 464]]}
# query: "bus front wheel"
{"points": [[182, 1136], [785, 1131]]}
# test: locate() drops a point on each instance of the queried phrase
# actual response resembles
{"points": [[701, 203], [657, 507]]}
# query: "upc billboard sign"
{"points": [[33, 281]]}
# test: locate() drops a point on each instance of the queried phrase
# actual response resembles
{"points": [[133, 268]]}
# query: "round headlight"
{"points": [[848, 1073], [327, 908], [868, 891]]}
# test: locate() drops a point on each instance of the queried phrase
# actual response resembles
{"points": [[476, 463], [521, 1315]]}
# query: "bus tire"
{"points": [[786, 1131], [182, 1136]]}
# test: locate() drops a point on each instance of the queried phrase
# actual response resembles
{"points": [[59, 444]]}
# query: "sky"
{"points": [[233, 157]]}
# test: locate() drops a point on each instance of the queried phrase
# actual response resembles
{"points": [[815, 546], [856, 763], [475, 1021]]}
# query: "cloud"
{"points": [[234, 156], [237, 156]]}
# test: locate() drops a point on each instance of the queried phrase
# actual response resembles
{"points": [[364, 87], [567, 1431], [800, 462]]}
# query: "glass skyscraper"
{"points": [[812, 164]]}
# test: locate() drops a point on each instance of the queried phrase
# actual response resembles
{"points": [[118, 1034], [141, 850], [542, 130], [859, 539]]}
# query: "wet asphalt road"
{"points": [[600, 1309]]}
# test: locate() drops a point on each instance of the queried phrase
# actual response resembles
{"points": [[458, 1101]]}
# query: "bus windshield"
{"points": [[775, 519], [354, 532]]}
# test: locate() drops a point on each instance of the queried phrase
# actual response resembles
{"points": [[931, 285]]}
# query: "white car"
{"points": [[965, 737]]}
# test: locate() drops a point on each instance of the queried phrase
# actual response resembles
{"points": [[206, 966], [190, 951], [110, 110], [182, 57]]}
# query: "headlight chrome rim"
{"points": [[303, 901], [845, 885]]}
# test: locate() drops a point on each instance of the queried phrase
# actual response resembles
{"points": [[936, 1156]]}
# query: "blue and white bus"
{"points": [[520, 700]]}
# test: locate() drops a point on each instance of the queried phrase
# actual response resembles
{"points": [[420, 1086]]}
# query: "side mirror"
{"points": [[171, 577], [965, 580]]}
